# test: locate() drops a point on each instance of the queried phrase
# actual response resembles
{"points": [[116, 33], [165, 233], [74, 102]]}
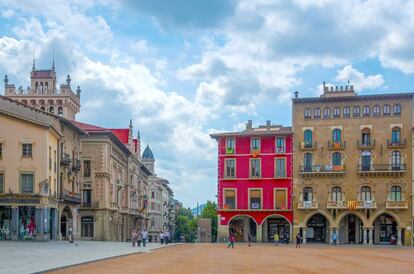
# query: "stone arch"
{"points": [[243, 215], [384, 211], [323, 213], [275, 215], [361, 216]]}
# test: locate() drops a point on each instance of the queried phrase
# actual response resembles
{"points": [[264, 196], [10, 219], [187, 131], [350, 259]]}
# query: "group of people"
{"points": [[276, 238], [138, 237], [164, 237]]}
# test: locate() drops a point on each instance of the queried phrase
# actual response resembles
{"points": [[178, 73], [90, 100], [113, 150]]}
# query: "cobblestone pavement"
{"points": [[216, 258], [29, 257]]}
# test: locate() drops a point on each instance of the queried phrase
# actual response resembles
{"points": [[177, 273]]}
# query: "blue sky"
{"points": [[183, 69]]}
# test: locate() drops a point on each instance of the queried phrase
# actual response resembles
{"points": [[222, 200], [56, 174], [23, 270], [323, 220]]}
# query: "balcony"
{"points": [[337, 205], [113, 206], [382, 170], [90, 204], [124, 209], [365, 205], [322, 171], [308, 205], [396, 143], [336, 145], [71, 197], [396, 204], [65, 159], [307, 146], [367, 144], [76, 165]]}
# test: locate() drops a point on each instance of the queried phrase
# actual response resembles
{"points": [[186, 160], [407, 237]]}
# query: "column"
{"points": [[399, 236], [259, 236], [364, 236], [14, 227], [304, 234], [371, 235]]}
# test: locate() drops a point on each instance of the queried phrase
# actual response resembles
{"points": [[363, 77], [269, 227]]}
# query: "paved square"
{"points": [[261, 258], [29, 257]]}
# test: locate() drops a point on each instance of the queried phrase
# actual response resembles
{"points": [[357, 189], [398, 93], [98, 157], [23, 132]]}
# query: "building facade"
{"points": [[352, 170], [255, 183]]}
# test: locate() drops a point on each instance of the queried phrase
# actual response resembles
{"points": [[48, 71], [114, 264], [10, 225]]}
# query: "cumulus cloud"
{"points": [[358, 79]]}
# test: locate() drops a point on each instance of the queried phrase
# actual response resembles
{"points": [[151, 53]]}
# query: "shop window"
{"points": [[387, 110], [317, 113], [395, 194], [356, 111], [366, 111], [230, 199], [308, 138], [336, 112], [27, 222], [255, 168], [307, 194], [26, 183], [87, 168], [307, 113], [280, 145], [280, 168], [347, 112], [336, 194], [1, 183], [229, 146], [230, 168], [281, 198], [255, 199], [376, 111], [255, 144], [326, 113], [366, 193], [87, 226], [27, 150], [396, 109]]}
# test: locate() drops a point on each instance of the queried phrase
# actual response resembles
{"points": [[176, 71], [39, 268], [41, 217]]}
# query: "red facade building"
{"points": [[255, 183]]}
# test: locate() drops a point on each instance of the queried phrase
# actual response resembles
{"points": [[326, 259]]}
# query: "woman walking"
{"points": [[231, 243], [134, 237]]}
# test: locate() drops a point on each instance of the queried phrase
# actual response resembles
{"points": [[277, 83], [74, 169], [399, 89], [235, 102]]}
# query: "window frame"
{"points": [[235, 196], [27, 150], [326, 113], [337, 112], [334, 194], [21, 174], [284, 168], [286, 198], [308, 143], [356, 111], [376, 111], [251, 170], [366, 111], [396, 113], [2, 182], [258, 139], [307, 113], [317, 113], [364, 193], [396, 131], [311, 192], [393, 194], [90, 168], [261, 198], [388, 108], [346, 112], [334, 155], [233, 141], [283, 145], [305, 166], [225, 168]]}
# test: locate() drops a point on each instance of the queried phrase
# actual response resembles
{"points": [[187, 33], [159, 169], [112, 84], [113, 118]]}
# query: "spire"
{"points": [[68, 80], [6, 82], [130, 123], [138, 135], [53, 62], [34, 64]]}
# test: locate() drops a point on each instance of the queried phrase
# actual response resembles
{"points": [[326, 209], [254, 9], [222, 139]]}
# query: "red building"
{"points": [[255, 183]]}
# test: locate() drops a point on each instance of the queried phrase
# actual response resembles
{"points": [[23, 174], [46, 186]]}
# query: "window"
{"points": [[317, 113], [336, 159], [86, 197], [376, 111], [87, 227], [396, 135], [366, 111], [336, 136], [280, 168], [280, 145], [307, 113], [87, 168], [229, 145], [366, 137], [280, 198], [55, 161], [336, 112], [255, 168], [347, 112], [152, 195], [366, 193], [60, 111], [255, 199], [230, 168], [26, 183], [395, 194], [396, 109], [1, 150], [308, 136], [366, 160], [1, 183], [255, 144], [387, 110], [336, 194], [396, 160], [356, 111], [307, 194], [27, 150], [51, 109], [308, 159], [326, 113], [230, 199]]}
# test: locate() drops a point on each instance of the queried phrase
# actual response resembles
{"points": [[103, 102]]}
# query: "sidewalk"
{"points": [[31, 257]]}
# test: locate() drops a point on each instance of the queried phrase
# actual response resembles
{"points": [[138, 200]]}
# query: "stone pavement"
{"points": [[31, 257]]}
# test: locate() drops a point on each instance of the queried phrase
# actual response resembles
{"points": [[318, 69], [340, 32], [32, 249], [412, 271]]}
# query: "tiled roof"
{"points": [[122, 134], [88, 127]]}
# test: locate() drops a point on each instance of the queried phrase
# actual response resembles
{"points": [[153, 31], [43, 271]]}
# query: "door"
{"points": [[351, 229], [366, 161]]}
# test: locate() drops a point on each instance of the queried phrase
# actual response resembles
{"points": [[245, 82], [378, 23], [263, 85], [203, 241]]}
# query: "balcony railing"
{"points": [[65, 159], [367, 144], [337, 205], [76, 165], [382, 170], [113, 205], [308, 205], [303, 145], [396, 143], [366, 204], [90, 204], [322, 170], [336, 145], [396, 204]]}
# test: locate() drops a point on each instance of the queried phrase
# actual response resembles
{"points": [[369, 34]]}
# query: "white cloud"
{"points": [[358, 79]]}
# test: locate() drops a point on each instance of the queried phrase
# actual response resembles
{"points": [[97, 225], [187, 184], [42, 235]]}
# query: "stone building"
{"points": [[352, 169]]}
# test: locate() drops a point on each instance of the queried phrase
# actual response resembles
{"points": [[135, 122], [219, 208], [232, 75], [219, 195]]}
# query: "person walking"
{"points": [[70, 235], [139, 238], [334, 238], [166, 237], [286, 238], [144, 236], [276, 238], [231, 243], [249, 239], [161, 238], [298, 240], [134, 236]]}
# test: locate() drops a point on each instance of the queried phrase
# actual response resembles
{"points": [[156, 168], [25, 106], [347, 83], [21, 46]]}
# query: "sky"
{"points": [[184, 69]]}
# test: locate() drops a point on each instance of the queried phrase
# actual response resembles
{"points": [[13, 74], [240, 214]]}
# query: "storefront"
{"points": [[385, 228], [316, 231], [279, 226], [240, 227], [27, 223], [5, 222]]}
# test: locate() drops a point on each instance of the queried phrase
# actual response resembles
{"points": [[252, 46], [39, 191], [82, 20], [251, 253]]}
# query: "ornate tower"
{"points": [[148, 159], [44, 94]]}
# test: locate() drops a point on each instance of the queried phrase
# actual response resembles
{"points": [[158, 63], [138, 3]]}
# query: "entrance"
{"points": [[350, 230], [240, 226], [385, 227], [65, 222], [87, 227], [316, 229], [280, 226], [5, 222]]}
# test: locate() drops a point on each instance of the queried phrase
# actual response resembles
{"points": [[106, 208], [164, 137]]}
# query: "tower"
{"points": [[148, 159]]}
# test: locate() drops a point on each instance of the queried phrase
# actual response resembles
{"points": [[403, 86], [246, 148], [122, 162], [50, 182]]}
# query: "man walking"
{"points": [[334, 238], [166, 237], [298, 240], [144, 236], [161, 237], [134, 237]]}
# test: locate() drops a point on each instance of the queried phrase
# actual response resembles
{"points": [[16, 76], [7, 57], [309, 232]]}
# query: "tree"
{"points": [[210, 211], [186, 225]]}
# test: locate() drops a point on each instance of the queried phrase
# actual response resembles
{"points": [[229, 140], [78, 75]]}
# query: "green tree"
{"points": [[210, 211], [186, 225]]}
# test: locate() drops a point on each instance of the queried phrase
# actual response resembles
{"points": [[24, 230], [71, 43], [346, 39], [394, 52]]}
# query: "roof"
{"points": [[122, 134], [354, 98], [42, 74], [147, 153], [87, 127], [260, 131]]}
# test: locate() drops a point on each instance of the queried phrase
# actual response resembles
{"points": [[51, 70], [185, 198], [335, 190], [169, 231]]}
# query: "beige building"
{"points": [[352, 167]]}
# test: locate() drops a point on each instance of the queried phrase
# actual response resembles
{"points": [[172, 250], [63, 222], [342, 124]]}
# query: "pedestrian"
{"points": [[70, 235], [144, 236], [166, 237], [276, 238], [334, 238], [286, 238], [161, 237], [249, 239], [134, 237], [298, 240], [231, 243], [139, 238]]}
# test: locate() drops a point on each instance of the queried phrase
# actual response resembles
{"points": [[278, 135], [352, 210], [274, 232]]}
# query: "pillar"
{"points": [[303, 234], [259, 233], [223, 232], [371, 235], [399, 236], [364, 236], [14, 227]]}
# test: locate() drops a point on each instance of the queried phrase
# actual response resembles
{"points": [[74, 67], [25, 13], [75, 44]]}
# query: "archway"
{"points": [[276, 224], [350, 229], [385, 229], [317, 229], [66, 220], [241, 226]]}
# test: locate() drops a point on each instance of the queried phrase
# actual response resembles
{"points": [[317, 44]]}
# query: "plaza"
{"points": [[260, 258]]}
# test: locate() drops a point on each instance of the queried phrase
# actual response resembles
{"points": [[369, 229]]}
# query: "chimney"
{"points": [[268, 124], [296, 94], [249, 125]]}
